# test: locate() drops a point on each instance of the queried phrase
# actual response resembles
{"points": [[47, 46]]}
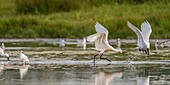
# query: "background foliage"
{"points": [[76, 18]]}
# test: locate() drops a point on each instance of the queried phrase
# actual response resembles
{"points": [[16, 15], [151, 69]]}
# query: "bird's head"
{"points": [[21, 51]]}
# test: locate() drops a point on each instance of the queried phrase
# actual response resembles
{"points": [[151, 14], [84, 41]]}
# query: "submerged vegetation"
{"points": [[76, 18]]}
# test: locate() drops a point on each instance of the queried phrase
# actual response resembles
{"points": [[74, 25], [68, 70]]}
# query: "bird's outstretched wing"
{"points": [[100, 28], [101, 42], [138, 33], [146, 31], [93, 37]]}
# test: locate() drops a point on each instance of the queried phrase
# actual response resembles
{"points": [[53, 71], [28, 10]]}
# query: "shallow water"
{"points": [[158, 74], [72, 65]]}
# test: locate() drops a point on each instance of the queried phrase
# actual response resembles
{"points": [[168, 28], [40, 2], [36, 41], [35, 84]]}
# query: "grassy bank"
{"points": [[80, 23]]}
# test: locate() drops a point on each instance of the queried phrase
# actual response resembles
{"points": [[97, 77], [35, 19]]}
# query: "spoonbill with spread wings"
{"points": [[143, 36], [101, 41]]}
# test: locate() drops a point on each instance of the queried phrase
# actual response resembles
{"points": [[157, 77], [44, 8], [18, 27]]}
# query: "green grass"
{"points": [[80, 23]]}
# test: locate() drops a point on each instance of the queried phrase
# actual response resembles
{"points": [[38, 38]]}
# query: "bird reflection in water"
{"points": [[23, 71], [144, 79], [104, 78], [1, 69]]}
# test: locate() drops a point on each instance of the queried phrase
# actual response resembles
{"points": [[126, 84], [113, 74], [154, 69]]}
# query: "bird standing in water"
{"points": [[3, 54], [23, 58], [101, 41]]}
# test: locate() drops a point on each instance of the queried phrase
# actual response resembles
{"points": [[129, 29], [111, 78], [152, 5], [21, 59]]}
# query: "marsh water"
{"points": [[52, 64]]}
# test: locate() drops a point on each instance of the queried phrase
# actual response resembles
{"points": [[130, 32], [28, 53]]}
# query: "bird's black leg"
{"points": [[95, 58], [8, 58], [147, 51], [104, 58]]}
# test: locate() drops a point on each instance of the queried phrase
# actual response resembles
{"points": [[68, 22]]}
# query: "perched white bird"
{"points": [[81, 43], [143, 36], [23, 57], [101, 41], [3, 54], [104, 78]]}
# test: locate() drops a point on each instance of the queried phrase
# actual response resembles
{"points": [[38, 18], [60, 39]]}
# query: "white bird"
{"points": [[101, 41], [23, 71], [3, 46], [61, 42], [143, 36], [161, 44], [118, 43], [104, 78], [156, 46], [81, 43], [3, 54], [23, 57]]}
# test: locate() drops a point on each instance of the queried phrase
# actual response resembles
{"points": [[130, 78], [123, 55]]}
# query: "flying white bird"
{"points": [[23, 57], [3, 54], [143, 36], [101, 41]]}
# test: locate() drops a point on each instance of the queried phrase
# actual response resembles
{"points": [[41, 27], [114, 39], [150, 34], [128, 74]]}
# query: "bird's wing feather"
{"points": [[100, 29], [138, 33], [101, 42], [146, 31], [24, 57], [93, 37]]}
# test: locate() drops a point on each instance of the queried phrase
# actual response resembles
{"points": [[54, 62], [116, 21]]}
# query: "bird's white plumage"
{"points": [[100, 28], [143, 37], [101, 39], [93, 37], [23, 57], [146, 31], [2, 53], [3, 46]]}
